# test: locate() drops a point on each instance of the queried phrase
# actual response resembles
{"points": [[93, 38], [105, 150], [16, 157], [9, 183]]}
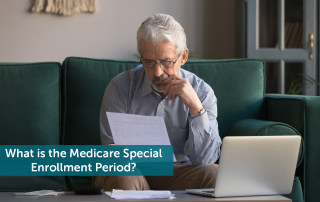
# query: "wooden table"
{"points": [[181, 196]]}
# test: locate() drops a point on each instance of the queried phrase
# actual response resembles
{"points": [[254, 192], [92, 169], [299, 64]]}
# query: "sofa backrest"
{"points": [[238, 84], [85, 82], [30, 103], [30, 115]]}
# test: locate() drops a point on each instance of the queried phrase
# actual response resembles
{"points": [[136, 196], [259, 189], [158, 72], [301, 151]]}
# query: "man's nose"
{"points": [[158, 70]]}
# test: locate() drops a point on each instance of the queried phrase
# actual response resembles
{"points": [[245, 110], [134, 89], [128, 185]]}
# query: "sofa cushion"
{"points": [[30, 115], [30, 103], [239, 86], [296, 194], [85, 81]]}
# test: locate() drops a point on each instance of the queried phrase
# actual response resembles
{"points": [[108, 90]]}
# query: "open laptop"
{"points": [[259, 165]]}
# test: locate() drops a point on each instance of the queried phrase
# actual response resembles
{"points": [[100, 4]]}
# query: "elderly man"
{"points": [[159, 87]]}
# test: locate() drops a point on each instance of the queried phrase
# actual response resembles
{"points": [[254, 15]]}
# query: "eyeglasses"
{"points": [[163, 64]]}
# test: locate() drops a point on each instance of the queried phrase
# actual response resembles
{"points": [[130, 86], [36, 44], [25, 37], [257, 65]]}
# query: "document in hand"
{"points": [[128, 194], [130, 129]]}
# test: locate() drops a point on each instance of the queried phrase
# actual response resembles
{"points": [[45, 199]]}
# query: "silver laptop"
{"points": [[260, 165]]}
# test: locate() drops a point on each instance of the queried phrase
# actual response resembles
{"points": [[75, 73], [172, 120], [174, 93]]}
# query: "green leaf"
{"points": [[137, 55], [296, 88]]}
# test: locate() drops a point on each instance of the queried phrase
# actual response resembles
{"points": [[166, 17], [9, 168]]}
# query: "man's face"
{"points": [[160, 52]]}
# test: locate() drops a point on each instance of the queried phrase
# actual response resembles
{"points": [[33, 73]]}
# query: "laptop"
{"points": [[259, 165]]}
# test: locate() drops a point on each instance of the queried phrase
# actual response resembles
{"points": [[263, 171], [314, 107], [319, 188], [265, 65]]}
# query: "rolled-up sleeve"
{"points": [[203, 144]]}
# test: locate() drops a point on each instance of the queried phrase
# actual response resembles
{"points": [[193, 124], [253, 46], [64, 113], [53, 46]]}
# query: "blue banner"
{"points": [[86, 160]]}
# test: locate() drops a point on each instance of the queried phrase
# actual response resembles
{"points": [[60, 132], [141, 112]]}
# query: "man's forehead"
{"points": [[164, 50]]}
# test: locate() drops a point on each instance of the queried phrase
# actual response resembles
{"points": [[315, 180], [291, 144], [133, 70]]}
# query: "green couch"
{"points": [[46, 103]]}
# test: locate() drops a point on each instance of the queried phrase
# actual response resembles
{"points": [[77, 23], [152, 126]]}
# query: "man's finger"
{"points": [[172, 83], [172, 94], [174, 91], [177, 86], [169, 94], [169, 91], [171, 77], [168, 80]]}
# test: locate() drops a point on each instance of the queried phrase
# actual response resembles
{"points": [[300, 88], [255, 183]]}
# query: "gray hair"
{"points": [[162, 28]]}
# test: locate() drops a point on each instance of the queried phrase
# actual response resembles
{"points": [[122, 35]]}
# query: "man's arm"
{"points": [[203, 144], [113, 101]]}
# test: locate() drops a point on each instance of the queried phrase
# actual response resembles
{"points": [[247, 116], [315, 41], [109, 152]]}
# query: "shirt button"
{"points": [[193, 125]]}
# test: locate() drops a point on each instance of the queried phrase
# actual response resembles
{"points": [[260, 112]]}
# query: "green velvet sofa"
{"points": [[50, 104]]}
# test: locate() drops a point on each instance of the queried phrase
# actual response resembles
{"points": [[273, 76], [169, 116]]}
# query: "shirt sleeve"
{"points": [[203, 144], [113, 101]]}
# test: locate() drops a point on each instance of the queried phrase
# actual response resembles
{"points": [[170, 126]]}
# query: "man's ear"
{"points": [[184, 56]]}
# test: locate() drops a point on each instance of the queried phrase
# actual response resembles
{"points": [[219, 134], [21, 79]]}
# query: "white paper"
{"points": [[130, 129], [108, 193], [39, 193], [128, 194]]}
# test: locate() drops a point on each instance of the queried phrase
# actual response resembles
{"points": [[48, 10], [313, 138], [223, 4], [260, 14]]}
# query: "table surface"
{"points": [[180, 196]]}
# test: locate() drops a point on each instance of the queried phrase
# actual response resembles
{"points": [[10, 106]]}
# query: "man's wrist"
{"points": [[195, 110], [202, 111]]}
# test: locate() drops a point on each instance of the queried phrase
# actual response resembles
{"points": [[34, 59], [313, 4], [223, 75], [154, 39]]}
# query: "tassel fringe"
{"points": [[65, 7]]}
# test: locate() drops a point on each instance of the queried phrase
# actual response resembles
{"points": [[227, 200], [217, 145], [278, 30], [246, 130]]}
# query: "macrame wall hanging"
{"points": [[65, 7]]}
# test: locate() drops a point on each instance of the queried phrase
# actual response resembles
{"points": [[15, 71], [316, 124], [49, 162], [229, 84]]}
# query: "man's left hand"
{"points": [[178, 86]]}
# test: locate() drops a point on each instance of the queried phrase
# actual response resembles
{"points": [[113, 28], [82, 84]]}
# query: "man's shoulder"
{"points": [[127, 77], [125, 82]]}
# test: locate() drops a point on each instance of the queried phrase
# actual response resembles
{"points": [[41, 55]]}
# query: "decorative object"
{"points": [[65, 7]]}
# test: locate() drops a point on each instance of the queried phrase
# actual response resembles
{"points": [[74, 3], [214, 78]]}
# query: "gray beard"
{"points": [[160, 86]]}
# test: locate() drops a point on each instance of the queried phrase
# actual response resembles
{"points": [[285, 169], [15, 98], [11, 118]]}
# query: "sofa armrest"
{"points": [[302, 113], [254, 127]]}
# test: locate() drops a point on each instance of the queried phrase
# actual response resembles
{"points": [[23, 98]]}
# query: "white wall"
{"points": [[109, 33]]}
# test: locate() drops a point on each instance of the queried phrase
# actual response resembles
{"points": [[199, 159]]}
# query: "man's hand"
{"points": [[178, 86]]}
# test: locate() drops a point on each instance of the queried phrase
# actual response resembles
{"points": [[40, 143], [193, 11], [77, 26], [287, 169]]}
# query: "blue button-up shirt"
{"points": [[194, 139]]}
